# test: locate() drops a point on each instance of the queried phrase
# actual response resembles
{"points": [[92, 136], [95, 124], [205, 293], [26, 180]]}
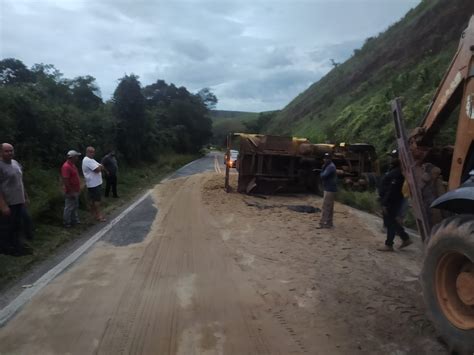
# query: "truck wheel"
{"points": [[447, 280]]}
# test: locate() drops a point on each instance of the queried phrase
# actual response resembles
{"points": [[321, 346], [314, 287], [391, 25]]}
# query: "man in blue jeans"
{"points": [[13, 201], [329, 180]]}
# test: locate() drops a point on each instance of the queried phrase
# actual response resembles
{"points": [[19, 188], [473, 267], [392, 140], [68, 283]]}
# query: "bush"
{"points": [[365, 201]]}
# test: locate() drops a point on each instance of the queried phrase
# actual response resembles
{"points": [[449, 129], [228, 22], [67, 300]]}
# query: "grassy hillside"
{"points": [[224, 122], [222, 115], [352, 102]]}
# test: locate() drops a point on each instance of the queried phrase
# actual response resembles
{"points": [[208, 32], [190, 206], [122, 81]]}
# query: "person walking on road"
{"points": [[391, 199], [111, 166], [92, 171], [13, 205], [72, 189], [329, 180]]}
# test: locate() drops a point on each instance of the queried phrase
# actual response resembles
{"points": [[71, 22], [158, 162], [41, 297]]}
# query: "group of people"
{"points": [[92, 171], [14, 216], [393, 201]]}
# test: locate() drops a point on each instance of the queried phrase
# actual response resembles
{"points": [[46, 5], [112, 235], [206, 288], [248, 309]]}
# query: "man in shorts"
{"points": [[92, 171]]}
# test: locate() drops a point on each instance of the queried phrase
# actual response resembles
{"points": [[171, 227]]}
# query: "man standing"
{"points": [[13, 201], [329, 180], [72, 189], [110, 164], [391, 198], [92, 171]]}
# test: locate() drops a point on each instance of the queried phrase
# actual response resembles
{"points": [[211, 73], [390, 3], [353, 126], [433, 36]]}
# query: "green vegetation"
{"points": [[225, 122], [222, 115], [365, 200], [154, 129], [352, 102], [49, 231]]}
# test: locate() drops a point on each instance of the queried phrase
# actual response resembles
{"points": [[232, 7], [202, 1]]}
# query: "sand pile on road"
{"points": [[331, 282]]}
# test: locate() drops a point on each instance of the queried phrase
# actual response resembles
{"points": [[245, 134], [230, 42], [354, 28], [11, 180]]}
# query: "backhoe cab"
{"points": [[441, 181]]}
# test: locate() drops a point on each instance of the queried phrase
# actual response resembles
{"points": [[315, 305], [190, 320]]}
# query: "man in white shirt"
{"points": [[92, 171]]}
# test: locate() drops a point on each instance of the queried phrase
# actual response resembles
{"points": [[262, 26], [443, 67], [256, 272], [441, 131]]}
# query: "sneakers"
{"points": [[325, 226], [405, 243], [386, 248]]}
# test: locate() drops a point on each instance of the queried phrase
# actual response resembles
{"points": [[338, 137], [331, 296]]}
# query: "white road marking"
{"points": [[10, 310], [13, 307], [217, 166]]}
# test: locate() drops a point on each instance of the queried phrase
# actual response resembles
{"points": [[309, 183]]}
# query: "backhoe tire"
{"points": [[448, 294]]}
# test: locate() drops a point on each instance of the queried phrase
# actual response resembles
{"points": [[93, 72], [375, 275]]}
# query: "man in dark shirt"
{"points": [[111, 166], [391, 199], [329, 180]]}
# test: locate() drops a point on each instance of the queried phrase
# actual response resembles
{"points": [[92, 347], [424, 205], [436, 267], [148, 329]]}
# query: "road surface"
{"points": [[193, 270]]}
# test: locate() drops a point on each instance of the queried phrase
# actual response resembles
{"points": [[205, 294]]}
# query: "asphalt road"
{"points": [[210, 274], [127, 226], [136, 224], [214, 161]]}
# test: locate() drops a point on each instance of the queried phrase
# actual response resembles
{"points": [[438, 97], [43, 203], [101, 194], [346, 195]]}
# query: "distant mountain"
{"points": [[408, 60], [218, 115], [225, 122]]}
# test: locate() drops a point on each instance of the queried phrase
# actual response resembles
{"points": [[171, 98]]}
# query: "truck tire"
{"points": [[447, 280]]}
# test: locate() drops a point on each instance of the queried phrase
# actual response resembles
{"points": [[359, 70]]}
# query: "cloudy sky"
{"points": [[255, 55]]}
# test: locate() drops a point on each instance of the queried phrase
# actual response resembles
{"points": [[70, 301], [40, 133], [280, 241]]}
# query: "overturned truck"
{"points": [[270, 164]]}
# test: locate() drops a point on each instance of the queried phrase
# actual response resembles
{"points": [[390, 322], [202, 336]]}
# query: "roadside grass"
{"points": [[47, 207], [368, 201], [362, 200]]}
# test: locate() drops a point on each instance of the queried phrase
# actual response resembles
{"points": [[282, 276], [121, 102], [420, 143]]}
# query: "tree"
{"points": [[259, 124], [85, 92], [156, 93], [13, 71], [208, 98], [129, 111]]}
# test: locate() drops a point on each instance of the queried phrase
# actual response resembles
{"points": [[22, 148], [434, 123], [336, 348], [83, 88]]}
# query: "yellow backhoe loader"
{"points": [[445, 219]]}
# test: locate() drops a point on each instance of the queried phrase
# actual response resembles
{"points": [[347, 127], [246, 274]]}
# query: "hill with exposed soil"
{"points": [[408, 60]]}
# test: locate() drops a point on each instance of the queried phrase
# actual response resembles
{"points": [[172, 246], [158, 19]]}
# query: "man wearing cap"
{"points": [[92, 171], [391, 198], [329, 180], [13, 202], [72, 189]]}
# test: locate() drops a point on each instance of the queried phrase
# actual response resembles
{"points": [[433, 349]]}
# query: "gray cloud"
{"points": [[194, 50], [255, 54]]}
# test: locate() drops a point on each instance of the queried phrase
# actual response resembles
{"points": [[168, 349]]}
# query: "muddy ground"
{"points": [[331, 289], [226, 273]]}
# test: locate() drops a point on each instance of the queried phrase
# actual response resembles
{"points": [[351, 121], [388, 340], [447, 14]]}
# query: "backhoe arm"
{"points": [[457, 87], [451, 87]]}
